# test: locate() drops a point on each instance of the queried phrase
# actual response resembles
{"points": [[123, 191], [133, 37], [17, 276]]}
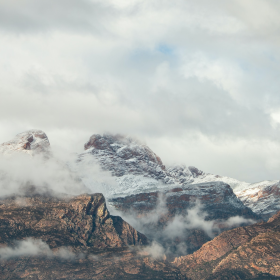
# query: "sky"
{"points": [[197, 81]]}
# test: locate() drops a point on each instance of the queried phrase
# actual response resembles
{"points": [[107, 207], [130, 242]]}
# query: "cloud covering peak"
{"points": [[196, 80]]}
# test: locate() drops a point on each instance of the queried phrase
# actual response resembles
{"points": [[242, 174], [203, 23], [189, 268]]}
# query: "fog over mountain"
{"points": [[197, 80]]}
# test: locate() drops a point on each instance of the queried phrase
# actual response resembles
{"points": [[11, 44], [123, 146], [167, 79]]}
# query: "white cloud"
{"points": [[35, 247], [155, 250], [158, 229], [19, 172]]}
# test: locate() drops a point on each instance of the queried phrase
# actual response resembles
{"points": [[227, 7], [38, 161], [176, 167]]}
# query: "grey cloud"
{"points": [[29, 247], [36, 247], [176, 228], [166, 73], [155, 250], [20, 173], [41, 16]]}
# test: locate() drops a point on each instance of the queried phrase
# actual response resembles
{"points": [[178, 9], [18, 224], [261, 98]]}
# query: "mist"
{"points": [[36, 248], [170, 238]]}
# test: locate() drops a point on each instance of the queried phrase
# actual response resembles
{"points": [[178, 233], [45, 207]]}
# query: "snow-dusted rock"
{"points": [[262, 197], [135, 165], [30, 142]]}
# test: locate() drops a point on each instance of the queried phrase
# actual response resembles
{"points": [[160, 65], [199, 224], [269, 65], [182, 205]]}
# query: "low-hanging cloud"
{"points": [[57, 173], [35, 248], [165, 238], [93, 177], [155, 250], [20, 173]]}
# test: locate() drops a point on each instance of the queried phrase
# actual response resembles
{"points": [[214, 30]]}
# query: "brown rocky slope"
{"points": [[80, 239], [81, 221], [251, 252]]}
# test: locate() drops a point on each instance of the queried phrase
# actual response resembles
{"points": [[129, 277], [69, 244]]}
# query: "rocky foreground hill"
{"points": [[43, 237], [251, 252]]}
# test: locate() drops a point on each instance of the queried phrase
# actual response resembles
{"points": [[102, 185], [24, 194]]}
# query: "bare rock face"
{"points": [[243, 253], [31, 142], [82, 220]]}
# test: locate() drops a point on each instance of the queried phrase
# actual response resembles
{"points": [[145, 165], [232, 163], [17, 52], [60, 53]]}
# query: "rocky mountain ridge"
{"points": [[139, 170], [144, 183], [178, 205], [250, 252], [44, 237], [81, 221]]}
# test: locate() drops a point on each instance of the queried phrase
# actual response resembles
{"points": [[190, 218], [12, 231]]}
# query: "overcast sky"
{"points": [[198, 81]]}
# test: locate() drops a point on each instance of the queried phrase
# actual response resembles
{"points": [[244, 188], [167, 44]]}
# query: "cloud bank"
{"points": [[196, 80], [21, 173]]}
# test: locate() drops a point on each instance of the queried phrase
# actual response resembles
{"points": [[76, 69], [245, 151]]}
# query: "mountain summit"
{"points": [[31, 142]]}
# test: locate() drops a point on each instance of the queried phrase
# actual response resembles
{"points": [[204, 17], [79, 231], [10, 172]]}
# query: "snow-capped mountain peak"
{"points": [[30, 142]]}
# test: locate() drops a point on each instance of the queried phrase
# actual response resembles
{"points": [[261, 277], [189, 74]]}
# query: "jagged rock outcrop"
{"points": [[31, 142], [250, 252], [82, 220]]}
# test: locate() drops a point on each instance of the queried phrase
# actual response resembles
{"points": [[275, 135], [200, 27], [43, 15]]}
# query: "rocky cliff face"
{"points": [[82, 220], [242, 253], [30, 142]]}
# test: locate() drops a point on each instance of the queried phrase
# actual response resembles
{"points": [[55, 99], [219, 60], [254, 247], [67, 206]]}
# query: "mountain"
{"points": [[152, 196], [46, 233], [138, 169], [27, 163], [30, 142], [81, 221], [261, 197], [44, 237], [250, 252]]}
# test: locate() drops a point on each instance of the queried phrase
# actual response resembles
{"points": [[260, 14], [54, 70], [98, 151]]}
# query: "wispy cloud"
{"points": [[169, 234], [36, 247]]}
